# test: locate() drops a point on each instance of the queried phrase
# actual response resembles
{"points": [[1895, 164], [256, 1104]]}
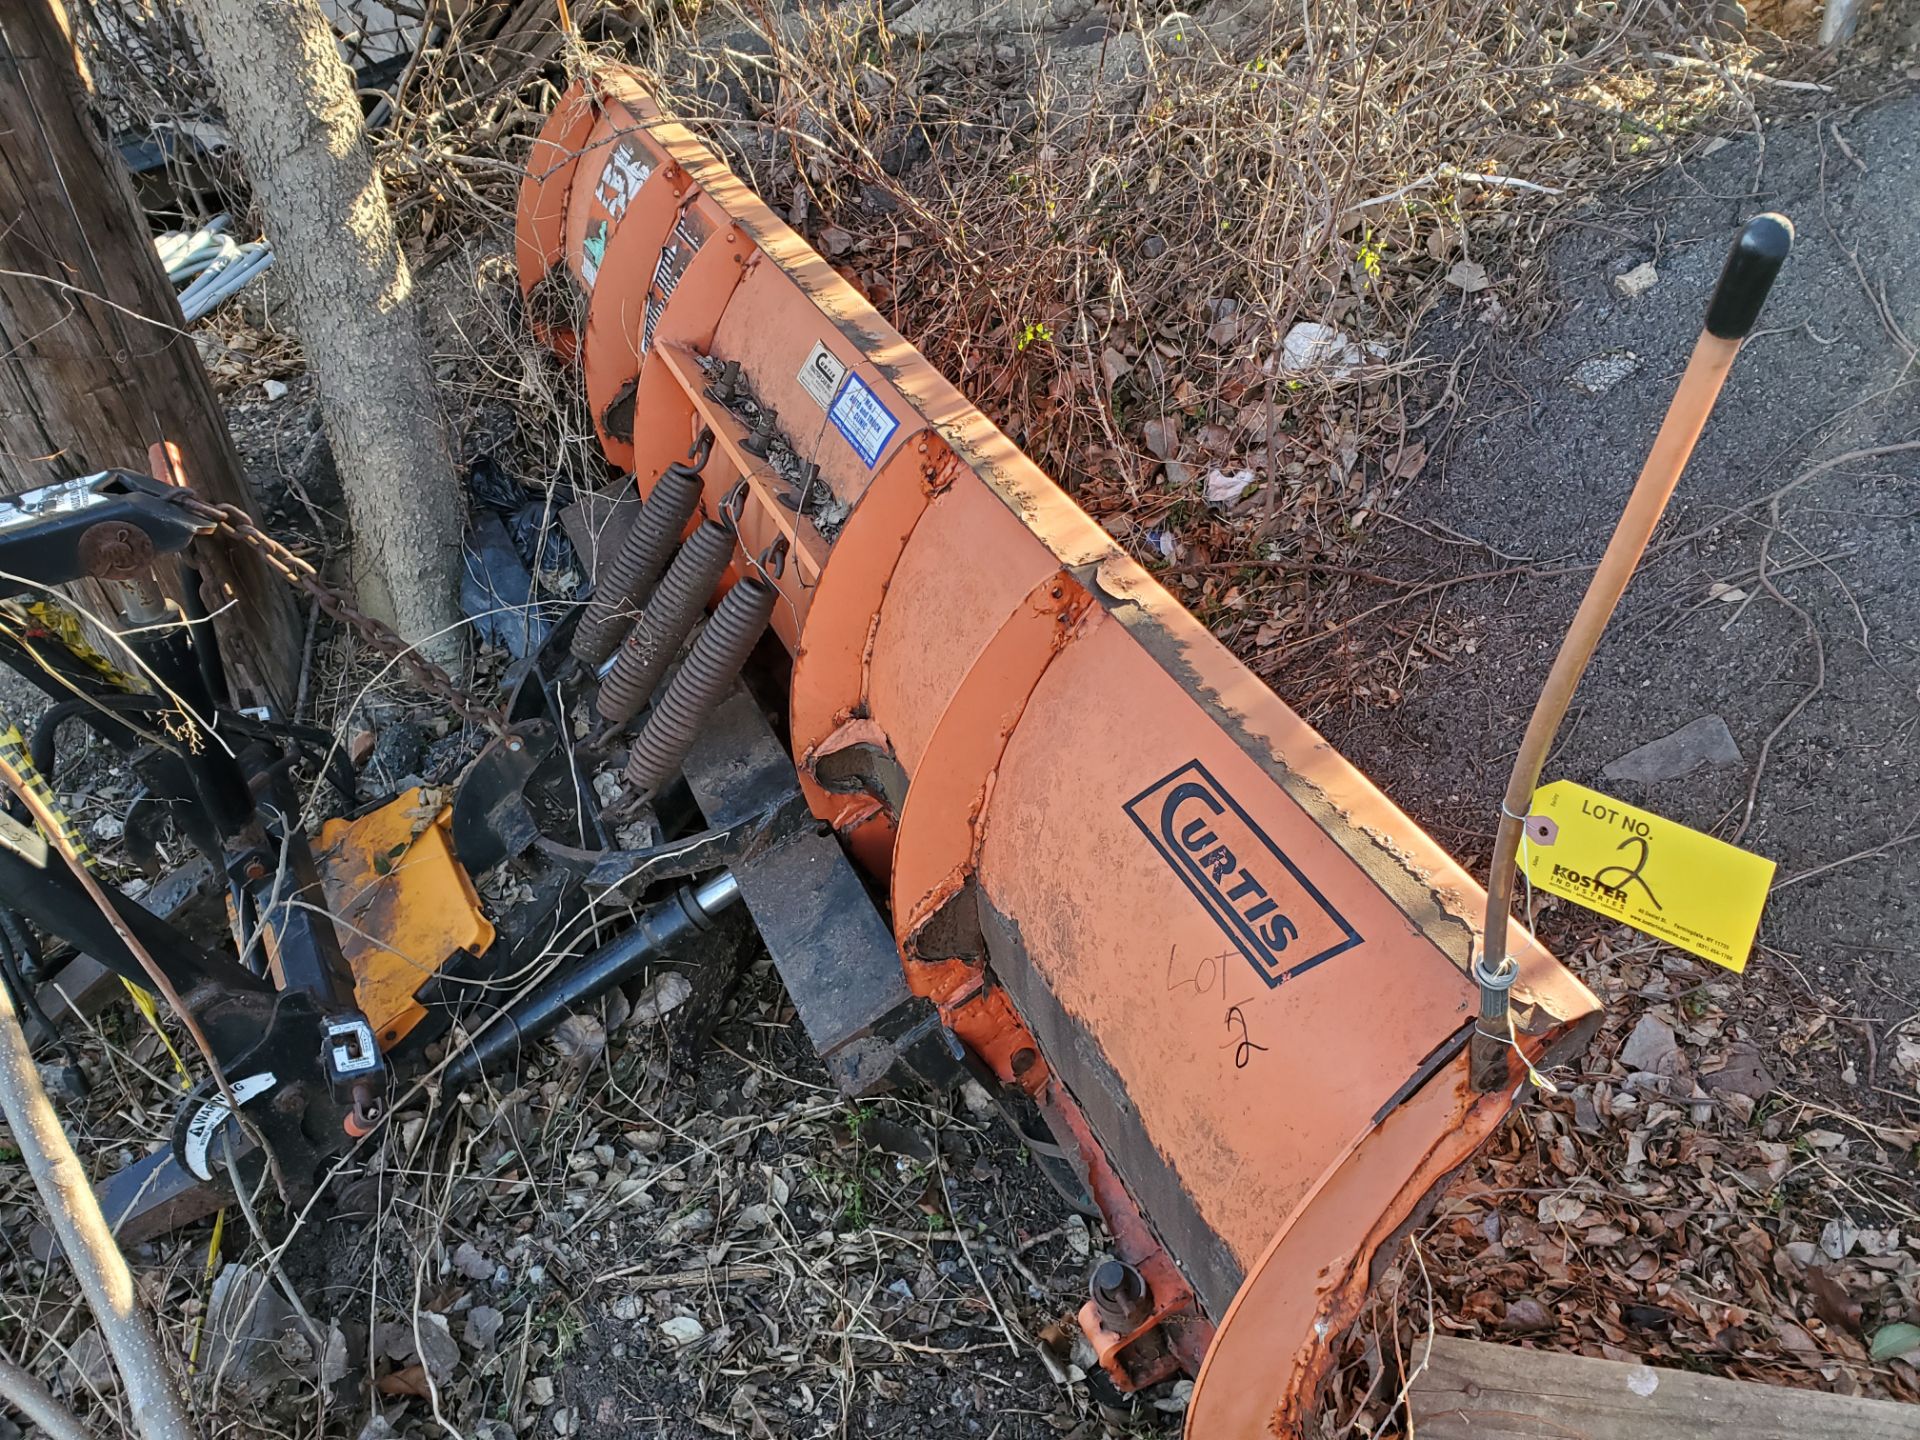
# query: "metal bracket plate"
{"points": [[832, 946]]}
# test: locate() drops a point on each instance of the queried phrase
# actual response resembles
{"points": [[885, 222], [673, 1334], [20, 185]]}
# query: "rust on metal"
{"points": [[1133, 882], [234, 523], [115, 550]]}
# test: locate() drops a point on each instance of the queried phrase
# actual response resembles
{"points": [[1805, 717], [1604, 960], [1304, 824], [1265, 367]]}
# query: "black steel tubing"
{"points": [[636, 566], [561, 994], [58, 904], [710, 668], [46, 732], [664, 625]]}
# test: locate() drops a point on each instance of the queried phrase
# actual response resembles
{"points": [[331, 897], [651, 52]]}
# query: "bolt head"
{"points": [[113, 549]]}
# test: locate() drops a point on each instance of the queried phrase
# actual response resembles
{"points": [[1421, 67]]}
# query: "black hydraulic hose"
{"points": [[538, 1010], [42, 745]]}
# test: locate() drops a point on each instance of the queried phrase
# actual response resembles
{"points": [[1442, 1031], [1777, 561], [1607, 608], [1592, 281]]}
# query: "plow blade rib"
{"points": [[1131, 881]]}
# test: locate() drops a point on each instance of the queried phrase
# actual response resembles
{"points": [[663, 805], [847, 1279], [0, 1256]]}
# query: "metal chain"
{"points": [[234, 523]]}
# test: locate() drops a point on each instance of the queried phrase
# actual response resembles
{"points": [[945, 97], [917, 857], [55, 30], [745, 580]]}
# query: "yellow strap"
{"points": [[144, 1003], [14, 746], [63, 623], [213, 1262]]}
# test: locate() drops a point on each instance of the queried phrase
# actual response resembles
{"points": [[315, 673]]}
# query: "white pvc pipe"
{"points": [[229, 282], [192, 262]]}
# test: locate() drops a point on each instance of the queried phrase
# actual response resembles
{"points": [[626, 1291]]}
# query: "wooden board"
{"points": [[1471, 1390], [83, 988]]}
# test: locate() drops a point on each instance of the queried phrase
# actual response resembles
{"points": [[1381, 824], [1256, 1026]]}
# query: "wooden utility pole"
{"points": [[95, 367]]}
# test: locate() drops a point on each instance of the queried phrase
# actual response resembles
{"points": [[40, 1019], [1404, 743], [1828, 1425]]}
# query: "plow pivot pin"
{"points": [[1119, 1292]]}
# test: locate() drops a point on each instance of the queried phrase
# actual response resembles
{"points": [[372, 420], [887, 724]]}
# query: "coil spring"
{"points": [[637, 564], [702, 681], [656, 637]]}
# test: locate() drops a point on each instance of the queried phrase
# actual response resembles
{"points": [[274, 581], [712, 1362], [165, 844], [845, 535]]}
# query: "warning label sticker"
{"points": [[620, 181], [857, 413], [1692, 891], [211, 1117], [593, 250], [822, 373]]}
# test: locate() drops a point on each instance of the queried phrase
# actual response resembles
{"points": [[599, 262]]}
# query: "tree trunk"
{"points": [[94, 367], [291, 108]]}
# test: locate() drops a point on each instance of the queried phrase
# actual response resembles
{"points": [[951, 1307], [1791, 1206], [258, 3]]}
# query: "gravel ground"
{"points": [[1724, 1182], [1794, 623]]}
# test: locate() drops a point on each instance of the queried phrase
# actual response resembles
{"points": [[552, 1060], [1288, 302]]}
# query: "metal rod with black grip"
{"points": [[1752, 264], [1748, 275]]}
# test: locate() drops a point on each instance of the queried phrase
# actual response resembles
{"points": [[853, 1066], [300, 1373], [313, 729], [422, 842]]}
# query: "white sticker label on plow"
{"points": [[212, 1117], [858, 414], [822, 374], [620, 180]]}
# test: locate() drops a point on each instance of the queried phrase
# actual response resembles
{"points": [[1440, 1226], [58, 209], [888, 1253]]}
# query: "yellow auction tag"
{"points": [[1683, 887]]}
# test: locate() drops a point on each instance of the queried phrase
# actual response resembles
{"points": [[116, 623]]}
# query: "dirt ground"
{"points": [[642, 1237], [1780, 593], [1726, 1180]]}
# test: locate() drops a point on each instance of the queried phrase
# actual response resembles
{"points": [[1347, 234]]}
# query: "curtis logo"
{"points": [[1257, 896]]}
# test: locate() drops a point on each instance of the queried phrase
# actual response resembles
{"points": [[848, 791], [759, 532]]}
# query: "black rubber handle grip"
{"points": [[1755, 259]]}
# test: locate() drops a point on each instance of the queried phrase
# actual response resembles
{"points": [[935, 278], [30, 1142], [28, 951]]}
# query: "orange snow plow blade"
{"points": [[1139, 888]]}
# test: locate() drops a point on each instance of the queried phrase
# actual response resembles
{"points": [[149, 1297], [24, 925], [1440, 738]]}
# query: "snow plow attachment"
{"points": [[1140, 891]]}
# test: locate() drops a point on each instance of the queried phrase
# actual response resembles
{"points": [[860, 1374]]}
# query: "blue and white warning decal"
{"points": [[857, 413]]}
